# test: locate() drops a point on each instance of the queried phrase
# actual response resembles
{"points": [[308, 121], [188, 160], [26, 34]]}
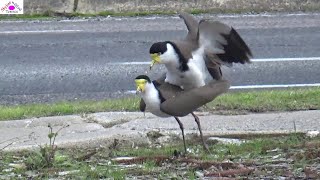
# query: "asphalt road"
{"points": [[47, 61]]}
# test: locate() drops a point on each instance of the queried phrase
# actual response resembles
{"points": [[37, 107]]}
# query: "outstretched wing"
{"points": [[222, 43], [188, 101], [192, 25]]}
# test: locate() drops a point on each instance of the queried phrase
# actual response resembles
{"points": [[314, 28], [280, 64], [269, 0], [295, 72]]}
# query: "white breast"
{"points": [[196, 75], [151, 98]]}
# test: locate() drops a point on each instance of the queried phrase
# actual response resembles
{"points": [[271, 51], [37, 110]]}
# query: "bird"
{"points": [[166, 100], [197, 59]]}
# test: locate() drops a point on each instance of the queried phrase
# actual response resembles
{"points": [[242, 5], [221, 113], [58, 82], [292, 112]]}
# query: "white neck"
{"points": [[152, 100], [150, 89], [170, 57]]}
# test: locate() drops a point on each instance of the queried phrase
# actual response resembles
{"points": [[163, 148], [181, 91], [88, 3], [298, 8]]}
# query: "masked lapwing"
{"points": [[166, 100], [196, 59]]}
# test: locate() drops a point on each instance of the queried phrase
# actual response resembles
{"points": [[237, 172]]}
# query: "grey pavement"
{"points": [[48, 61], [131, 128]]}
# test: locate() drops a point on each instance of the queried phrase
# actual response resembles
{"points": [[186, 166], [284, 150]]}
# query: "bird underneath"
{"points": [[167, 100], [153, 98], [196, 60]]}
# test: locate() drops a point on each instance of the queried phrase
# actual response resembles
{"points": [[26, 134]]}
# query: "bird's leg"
{"points": [[196, 118], [182, 130]]}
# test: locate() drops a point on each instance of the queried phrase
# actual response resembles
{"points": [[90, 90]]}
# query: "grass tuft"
{"points": [[253, 101], [67, 108], [273, 100]]}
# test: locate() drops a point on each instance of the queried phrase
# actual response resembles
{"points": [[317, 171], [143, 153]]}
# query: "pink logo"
{"points": [[11, 7]]}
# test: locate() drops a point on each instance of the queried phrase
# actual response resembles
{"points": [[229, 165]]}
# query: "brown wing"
{"points": [[192, 25], [214, 69], [169, 91], [188, 101], [222, 43], [186, 48], [161, 79]]}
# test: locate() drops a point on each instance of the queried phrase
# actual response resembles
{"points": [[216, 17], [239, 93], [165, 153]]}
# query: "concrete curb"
{"points": [[96, 6], [132, 128]]}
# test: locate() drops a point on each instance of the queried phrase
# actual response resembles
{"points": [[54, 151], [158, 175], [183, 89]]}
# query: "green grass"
{"points": [[50, 14], [262, 151], [44, 15], [253, 101], [164, 151], [273, 100], [65, 108]]}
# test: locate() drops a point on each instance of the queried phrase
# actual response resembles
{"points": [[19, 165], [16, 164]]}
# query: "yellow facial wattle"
{"points": [[155, 59], [141, 84]]}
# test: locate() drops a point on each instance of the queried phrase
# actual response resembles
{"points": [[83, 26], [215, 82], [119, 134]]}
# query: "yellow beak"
{"points": [[140, 83], [138, 90], [155, 59]]}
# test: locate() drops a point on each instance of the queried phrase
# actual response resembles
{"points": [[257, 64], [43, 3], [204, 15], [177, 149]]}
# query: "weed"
{"points": [[45, 158], [149, 165]]}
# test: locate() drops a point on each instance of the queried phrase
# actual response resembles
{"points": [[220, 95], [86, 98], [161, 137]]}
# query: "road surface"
{"points": [[98, 58]]}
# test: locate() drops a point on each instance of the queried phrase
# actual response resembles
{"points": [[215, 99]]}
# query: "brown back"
{"points": [[188, 101]]}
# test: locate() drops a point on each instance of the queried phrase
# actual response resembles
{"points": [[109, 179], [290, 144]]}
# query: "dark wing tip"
{"points": [[236, 50]]}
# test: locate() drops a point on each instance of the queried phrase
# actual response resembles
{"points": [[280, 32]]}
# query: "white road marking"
{"points": [[274, 86], [38, 31], [287, 59], [267, 15], [253, 60], [252, 86], [260, 86], [130, 92]]}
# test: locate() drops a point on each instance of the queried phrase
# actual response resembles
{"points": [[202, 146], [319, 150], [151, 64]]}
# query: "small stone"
{"points": [[225, 140], [164, 140], [8, 170], [184, 164], [18, 166], [312, 134], [199, 174], [67, 172], [274, 150], [31, 173], [154, 134], [276, 156]]}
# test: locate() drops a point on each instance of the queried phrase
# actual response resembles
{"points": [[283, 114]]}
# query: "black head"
{"points": [[158, 47], [144, 77]]}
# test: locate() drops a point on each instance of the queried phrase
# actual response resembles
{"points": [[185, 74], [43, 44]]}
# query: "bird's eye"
{"points": [[159, 53]]}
